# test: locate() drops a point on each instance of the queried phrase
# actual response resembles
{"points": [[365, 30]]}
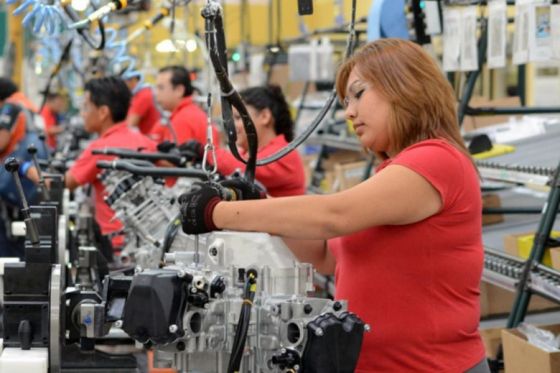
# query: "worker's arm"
{"points": [[54, 130], [315, 252], [395, 196], [70, 181]]}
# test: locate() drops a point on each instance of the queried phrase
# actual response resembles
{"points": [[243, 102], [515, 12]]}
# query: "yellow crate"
{"points": [[521, 244]]}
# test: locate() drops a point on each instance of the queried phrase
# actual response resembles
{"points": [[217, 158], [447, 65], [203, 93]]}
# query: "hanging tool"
{"points": [[12, 165]]}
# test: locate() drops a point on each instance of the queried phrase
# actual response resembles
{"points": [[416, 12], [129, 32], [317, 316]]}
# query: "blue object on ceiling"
{"points": [[386, 19]]}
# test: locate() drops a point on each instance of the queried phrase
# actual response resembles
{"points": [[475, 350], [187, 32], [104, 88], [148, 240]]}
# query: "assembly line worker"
{"points": [[10, 92], [143, 113], [405, 245], [273, 122], [106, 102], [51, 113], [14, 141], [174, 93]]}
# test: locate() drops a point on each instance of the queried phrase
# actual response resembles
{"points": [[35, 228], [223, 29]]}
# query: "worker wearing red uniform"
{"points": [[406, 244], [14, 96], [143, 113], [54, 106], [174, 93], [104, 109], [270, 113]]}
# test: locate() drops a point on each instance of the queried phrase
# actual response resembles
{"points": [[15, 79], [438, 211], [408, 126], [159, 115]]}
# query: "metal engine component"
{"points": [[145, 207], [194, 309], [190, 309]]}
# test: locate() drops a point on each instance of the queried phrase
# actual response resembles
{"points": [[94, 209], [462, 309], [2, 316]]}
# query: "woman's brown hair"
{"points": [[421, 99]]}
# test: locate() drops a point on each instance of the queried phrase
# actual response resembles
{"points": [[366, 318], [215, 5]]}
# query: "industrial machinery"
{"points": [[223, 302]]}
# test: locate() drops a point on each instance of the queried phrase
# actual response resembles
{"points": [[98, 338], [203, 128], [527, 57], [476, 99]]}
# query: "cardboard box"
{"points": [[340, 169], [495, 301], [491, 338], [475, 122], [349, 174], [520, 244], [522, 357], [491, 200], [555, 257]]}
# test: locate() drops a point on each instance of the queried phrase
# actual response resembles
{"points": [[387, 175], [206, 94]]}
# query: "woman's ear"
{"points": [[265, 116]]}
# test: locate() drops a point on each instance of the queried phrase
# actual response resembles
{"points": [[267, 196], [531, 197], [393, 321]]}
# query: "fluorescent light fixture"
{"points": [[80, 5], [166, 46], [191, 45]]}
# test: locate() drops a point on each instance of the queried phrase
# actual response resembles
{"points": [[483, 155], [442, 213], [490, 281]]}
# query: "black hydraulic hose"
{"points": [[63, 59], [151, 171], [229, 95], [127, 153], [215, 41], [98, 45], [242, 325], [170, 233]]}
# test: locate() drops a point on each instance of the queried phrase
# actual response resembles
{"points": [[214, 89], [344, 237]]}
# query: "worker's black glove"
{"points": [[243, 189], [197, 207], [192, 150], [165, 146]]}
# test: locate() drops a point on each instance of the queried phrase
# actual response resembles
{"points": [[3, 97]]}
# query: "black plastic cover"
{"points": [[337, 349], [156, 300]]}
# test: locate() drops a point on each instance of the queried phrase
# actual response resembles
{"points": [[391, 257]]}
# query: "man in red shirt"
{"points": [[174, 93], [54, 106], [143, 112], [104, 109]]}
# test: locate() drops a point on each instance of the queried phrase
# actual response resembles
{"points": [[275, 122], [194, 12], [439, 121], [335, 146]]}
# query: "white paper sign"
{"points": [[451, 39], [521, 33], [497, 23], [540, 41], [469, 50], [555, 30]]}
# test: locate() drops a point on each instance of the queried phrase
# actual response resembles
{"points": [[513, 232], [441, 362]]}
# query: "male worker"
{"points": [[55, 105], [106, 102], [14, 141], [143, 113], [174, 93]]}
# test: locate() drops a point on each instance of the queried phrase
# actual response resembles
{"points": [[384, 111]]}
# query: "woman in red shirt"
{"points": [[406, 244], [273, 122]]}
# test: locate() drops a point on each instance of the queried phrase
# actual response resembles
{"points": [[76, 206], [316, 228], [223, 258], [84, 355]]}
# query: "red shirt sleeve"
{"points": [[84, 170], [439, 163]]}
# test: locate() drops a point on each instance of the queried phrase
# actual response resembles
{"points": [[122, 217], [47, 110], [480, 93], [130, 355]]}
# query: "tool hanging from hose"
{"points": [[164, 12], [63, 59], [215, 40], [99, 13]]}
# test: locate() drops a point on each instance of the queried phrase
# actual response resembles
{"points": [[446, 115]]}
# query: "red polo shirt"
{"points": [[285, 177], [417, 285], [189, 121], [50, 121], [143, 105], [85, 170]]}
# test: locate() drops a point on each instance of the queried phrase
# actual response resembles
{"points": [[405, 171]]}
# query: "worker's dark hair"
{"points": [[271, 97], [7, 88], [53, 95], [179, 76], [111, 92]]}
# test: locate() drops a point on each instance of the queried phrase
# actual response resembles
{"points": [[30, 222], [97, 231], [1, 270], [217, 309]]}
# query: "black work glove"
{"points": [[197, 207], [165, 146], [243, 189], [192, 150]]}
